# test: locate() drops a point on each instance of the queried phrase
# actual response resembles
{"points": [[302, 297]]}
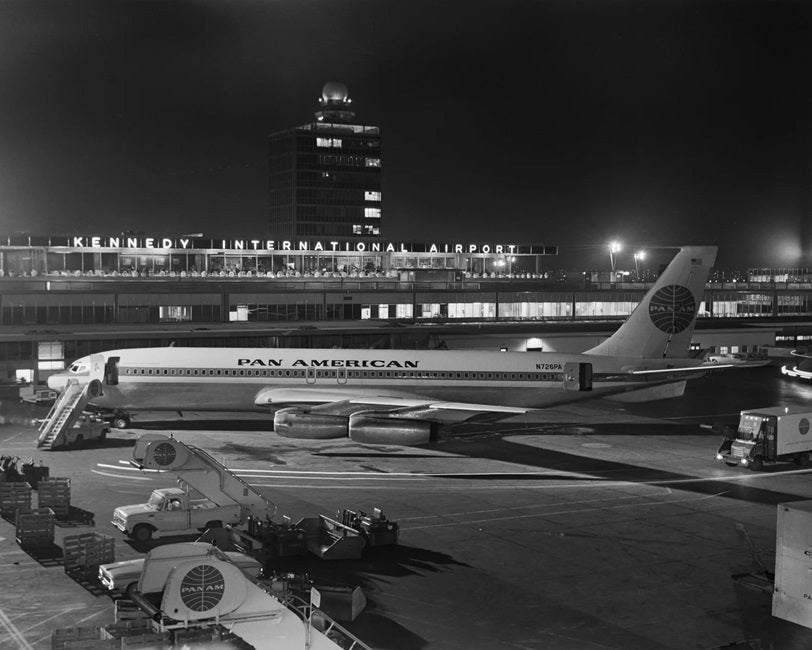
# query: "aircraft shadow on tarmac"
{"points": [[493, 445], [234, 424], [608, 470]]}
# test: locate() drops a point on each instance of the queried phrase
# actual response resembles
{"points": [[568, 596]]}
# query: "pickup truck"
{"points": [[124, 576], [171, 510]]}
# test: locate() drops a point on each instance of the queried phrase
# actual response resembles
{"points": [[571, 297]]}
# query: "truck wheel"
{"points": [[758, 464], [121, 422], [79, 441], [130, 589], [142, 533]]}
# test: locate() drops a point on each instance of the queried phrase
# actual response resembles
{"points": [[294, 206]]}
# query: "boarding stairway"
{"points": [[199, 470], [63, 414]]}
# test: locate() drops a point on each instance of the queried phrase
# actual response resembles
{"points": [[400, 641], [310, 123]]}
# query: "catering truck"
{"points": [[769, 435], [226, 498]]}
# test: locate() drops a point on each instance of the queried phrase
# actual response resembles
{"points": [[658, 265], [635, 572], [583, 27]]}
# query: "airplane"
{"points": [[403, 396]]}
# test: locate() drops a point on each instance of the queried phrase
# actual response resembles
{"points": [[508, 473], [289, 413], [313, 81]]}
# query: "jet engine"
{"points": [[370, 427], [296, 422], [378, 429]]}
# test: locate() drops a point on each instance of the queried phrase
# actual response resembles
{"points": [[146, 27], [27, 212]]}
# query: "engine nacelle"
{"points": [[381, 430], [295, 422]]}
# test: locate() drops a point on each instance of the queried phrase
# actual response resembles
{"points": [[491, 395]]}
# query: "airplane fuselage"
{"points": [[236, 378]]}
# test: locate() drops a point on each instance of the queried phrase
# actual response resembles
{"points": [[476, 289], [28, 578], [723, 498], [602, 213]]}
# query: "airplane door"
{"points": [[310, 375], [577, 376], [342, 376], [111, 371]]}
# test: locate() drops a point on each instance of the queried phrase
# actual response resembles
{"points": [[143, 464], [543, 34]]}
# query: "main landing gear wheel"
{"points": [[121, 421]]}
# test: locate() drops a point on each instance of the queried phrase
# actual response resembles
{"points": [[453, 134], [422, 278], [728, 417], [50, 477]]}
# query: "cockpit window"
{"points": [[79, 367]]}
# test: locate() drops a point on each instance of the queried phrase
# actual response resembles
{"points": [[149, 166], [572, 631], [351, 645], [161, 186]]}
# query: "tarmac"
{"points": [[601, 525]]}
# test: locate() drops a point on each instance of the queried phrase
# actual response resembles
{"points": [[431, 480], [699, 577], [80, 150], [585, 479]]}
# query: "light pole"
{"points": [[614, 247], [638, 257]]}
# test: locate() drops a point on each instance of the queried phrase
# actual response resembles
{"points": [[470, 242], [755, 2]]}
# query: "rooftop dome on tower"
{"points": [[335, 103]]}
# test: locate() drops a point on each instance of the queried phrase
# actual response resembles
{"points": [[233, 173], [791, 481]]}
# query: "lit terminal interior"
{"points": [[64, 297]]}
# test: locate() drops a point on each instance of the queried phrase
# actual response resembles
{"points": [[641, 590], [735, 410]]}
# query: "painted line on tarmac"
{"points": [[575, 511], [523, 485], [131, 478], [270, 473], [125, 466], [14, 632], [74, 623], [533, 506]]}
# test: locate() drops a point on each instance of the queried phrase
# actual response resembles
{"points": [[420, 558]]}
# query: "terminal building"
{"points": [[62, 297]]}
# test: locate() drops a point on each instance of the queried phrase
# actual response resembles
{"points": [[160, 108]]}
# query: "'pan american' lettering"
{"points": [[334, 363]]}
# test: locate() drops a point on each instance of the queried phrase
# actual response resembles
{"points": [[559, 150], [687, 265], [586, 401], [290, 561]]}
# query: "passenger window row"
{"points": [[349, 373]]}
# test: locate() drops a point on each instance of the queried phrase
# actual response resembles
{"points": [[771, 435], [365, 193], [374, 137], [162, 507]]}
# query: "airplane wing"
{"points": [[395, 404], [705, 366]]}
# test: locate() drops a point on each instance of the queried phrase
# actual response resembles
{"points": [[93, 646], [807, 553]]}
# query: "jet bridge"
{"points": [[199, 469]]}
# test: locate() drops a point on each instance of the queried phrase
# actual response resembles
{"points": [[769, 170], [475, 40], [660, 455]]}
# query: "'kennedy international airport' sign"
{"points": [[256, 246]]}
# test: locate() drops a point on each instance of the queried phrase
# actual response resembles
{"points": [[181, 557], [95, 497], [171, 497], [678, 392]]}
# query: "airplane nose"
{"points": [[57, 382]]}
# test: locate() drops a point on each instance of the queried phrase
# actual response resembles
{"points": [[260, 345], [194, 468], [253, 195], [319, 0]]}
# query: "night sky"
{"points": [[567, 123]]}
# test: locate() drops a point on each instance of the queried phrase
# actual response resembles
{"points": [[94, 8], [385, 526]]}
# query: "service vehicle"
{"points": [[172, 510], [769, 435], [124, 576], [86, 427], [35, 394], [226, 498]]}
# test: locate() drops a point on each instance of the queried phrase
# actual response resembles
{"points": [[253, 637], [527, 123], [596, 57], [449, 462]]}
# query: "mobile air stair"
{"points": [[63, 414]]}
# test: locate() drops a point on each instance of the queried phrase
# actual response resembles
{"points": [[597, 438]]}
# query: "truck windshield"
{"points": [[749, 427], [156, 501]]}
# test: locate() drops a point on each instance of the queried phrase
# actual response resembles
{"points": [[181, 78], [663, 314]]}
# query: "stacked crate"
{"points": [[34, 528], [86, 551], [54, 493], [83, 638], [14, 496]]}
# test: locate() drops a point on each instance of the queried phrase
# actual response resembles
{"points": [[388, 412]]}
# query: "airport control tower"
{"points": [[324, 177]]}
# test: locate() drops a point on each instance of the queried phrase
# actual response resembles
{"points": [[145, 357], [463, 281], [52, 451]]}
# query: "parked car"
{"points": [[123, 576]]}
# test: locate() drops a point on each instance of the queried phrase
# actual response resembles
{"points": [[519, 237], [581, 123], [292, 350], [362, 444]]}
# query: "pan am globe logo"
{"points": [[672, 308], [803, 426], [164, 454], [202, 588]]}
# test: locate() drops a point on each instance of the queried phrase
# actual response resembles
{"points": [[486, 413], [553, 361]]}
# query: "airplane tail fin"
{"points": [[662, 324]]}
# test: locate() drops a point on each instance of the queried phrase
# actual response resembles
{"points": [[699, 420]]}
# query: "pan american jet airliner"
{"points": [[400, 396]]}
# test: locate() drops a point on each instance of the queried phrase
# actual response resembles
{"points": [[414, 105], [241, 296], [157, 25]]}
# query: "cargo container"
{"points": [[792, 596]]}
